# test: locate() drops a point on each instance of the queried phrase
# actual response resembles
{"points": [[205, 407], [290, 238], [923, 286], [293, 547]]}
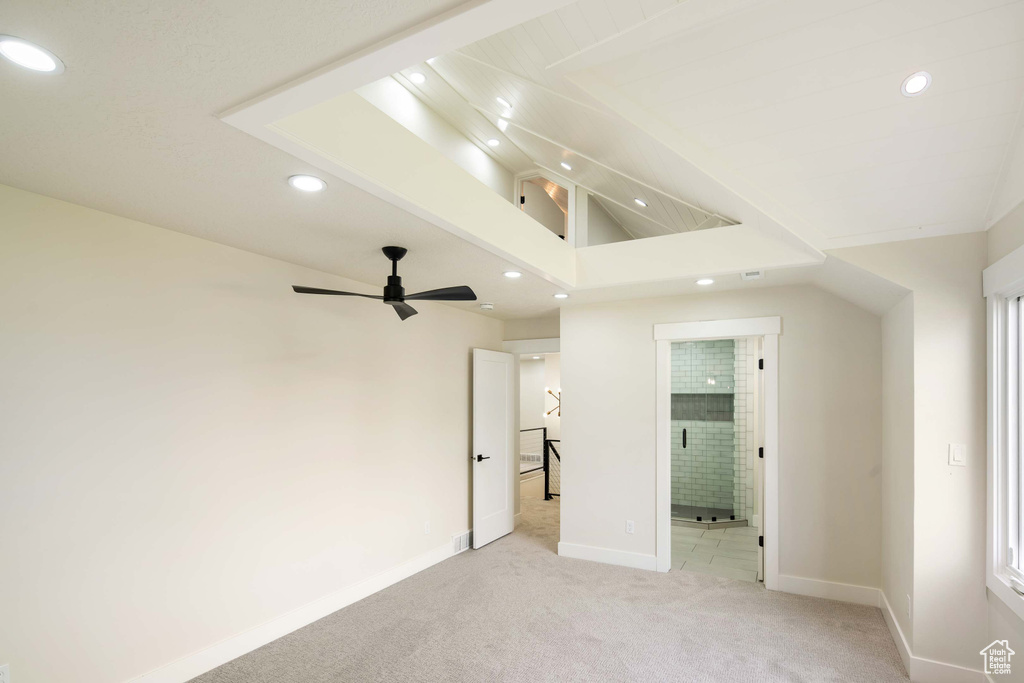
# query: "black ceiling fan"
{"points": [[394, 293]]}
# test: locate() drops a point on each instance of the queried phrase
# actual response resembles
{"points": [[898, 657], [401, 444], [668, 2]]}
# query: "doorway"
{"points": [[540, 445], [716, 492], [717, 448]]}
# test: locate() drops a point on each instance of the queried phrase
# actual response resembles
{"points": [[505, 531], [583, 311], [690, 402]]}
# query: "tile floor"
{"points": [[730, 553]]}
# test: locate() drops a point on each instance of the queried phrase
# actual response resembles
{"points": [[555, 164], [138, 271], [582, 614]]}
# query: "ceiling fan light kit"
{"points": [[394, 294]]}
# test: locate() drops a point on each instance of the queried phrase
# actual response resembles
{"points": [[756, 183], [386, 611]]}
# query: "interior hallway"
{"points": [[515, 611]]}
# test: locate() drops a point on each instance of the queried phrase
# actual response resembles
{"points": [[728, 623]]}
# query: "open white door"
{"points": [[493, 445]]}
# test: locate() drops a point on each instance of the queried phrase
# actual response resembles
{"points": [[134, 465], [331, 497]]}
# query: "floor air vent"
{"points": [[461, 542]]}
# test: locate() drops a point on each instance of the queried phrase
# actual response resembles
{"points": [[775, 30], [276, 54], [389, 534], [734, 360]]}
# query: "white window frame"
{"points": [[1003, 285]]}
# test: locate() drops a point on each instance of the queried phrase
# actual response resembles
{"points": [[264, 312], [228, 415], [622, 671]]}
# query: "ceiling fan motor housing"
{"points": [[393, 290]]}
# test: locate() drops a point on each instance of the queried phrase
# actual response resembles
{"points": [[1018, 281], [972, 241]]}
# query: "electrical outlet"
{"points": [[426, 530], [5, 673], [629, 526]]}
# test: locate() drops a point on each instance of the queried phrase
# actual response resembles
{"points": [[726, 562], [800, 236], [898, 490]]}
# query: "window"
{"points": [[1004, 288]]}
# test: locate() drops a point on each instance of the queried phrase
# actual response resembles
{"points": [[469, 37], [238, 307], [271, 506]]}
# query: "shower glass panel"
{"points": [[707, 467]]}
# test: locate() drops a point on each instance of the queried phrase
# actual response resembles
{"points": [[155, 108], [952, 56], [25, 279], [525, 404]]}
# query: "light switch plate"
{"points": [[958, 455]]}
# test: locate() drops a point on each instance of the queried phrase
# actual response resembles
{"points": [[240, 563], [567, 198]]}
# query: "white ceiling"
{"points": [[799, 98], [802, 98]]}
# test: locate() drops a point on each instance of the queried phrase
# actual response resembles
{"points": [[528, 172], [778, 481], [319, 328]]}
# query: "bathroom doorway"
{"points": [[717, 417], [716, 473]]}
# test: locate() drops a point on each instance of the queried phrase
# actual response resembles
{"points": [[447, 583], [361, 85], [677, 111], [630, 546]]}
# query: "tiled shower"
{"points": [[714, 440]]}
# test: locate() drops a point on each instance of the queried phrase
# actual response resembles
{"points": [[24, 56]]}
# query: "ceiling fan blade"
{"points": [[313, 290], [461, 293], [404, 310]]}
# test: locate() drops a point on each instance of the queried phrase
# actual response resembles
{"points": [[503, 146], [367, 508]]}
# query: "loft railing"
{"points": [[552, 469], [533, 444]]}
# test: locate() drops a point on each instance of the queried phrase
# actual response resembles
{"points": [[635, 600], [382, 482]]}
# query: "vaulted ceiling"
{"points": [[791, 107]]}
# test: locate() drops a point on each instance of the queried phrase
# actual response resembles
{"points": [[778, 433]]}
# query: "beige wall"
{"points": [[532, 328], [190, 449], [898, 459], [1006, 235], [830, 425], [601, 227], [944, 274], [531, 394]]}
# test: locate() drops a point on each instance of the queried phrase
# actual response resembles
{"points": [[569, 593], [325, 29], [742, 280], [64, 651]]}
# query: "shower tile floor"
{"points": [[729, 553]]}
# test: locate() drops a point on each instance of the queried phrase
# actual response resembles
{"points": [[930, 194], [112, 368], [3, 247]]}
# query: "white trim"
{"points": [[920, 668], [769, 329], [532, 345], [622, 558], [831, 590], [902, 646], [518, 517], [770, 397], [1002, 279], [465, 24], [719, 329], [204, 660]]}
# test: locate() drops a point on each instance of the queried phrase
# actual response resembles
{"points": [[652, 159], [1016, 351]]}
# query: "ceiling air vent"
{"points": [[752, 274]]}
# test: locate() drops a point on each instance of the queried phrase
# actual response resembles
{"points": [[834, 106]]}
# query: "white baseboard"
{"points": [[608, 556], [923, 670], [200, 662], [845, 592], [515, 520]]}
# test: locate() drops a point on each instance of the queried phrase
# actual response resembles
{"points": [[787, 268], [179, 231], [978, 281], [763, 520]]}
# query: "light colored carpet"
{"points": [[515, 611]]}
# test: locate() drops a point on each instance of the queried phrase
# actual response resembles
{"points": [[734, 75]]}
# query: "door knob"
{"points": [[482, 457]]}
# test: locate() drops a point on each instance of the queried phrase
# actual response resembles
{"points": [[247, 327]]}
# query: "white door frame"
{"points": [[664, 334], [519, 347]]}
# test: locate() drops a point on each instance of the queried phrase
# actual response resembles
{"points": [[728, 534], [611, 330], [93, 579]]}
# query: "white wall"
{"points": [[190, 449], [898, 459], [393, 99], [950, 620], [553, 380], [601, 227], [830, 425]]}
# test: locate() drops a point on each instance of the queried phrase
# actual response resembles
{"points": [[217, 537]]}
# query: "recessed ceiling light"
{"points": [[705, 281], [30, 56], [306, 183], [502, 125], [417, 78], [493, 142], [513, 274], [561, 295], [640, 202], [536, 357], [566, 166], [916, 83], [503, 102]]}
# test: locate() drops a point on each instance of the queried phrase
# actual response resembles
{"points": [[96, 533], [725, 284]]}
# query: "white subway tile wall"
{"points": [[715, 469]]}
